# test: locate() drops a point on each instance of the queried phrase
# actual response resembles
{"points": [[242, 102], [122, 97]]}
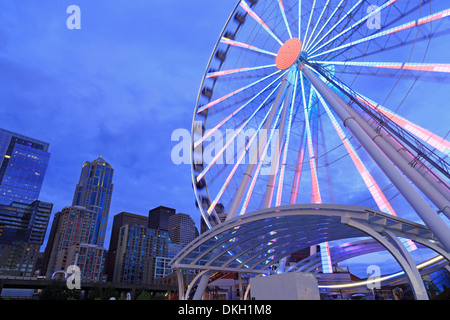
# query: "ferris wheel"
{"points": [[327, 101]]}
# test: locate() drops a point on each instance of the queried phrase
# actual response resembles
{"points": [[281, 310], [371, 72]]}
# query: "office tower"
{"points": [[23, 164], [52, 237], [71, 227], [93, 192], [120, 220], [158, 218], [138, 247], [22, 232], [182, 229]]}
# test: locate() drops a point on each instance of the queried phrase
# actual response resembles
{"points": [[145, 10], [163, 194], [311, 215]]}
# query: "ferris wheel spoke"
{"points": [[427, 136], [255, 154], [323, 26], [299, 19], [216, 74], [283, 13], [318, 20], [253, 14], [213, 103], [357, 23], [213, 130], [235, 134], [429, 67], [405, 26], [245, 46], [347, 14], [309, 20], [238, 162]]}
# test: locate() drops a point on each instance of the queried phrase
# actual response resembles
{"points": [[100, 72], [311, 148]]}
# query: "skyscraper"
{"points": [[158, 218], [120, 220], [93, 192], [23, 164], [22, 232], [137, 250], [70, 243], [182, 229]]}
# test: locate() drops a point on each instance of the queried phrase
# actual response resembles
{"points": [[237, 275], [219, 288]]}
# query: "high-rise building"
{"points": [[182, 229], [90, 258], [23, 164], [22, 232], [137, 250], [72, 226], [120, 220], [158, 218], [93, 192]]}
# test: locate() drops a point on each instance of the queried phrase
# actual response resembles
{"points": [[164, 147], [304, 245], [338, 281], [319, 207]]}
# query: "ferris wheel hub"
{"points": [[288, 54]]}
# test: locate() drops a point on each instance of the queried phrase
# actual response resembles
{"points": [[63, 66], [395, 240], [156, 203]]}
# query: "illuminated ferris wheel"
{"points": [[327, 102]]}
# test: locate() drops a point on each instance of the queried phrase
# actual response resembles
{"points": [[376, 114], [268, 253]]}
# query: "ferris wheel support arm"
{"points": [[399, 156], [276, 155], [251, 166], [422, 208], [298, 169], [399, 254], [288, 136], [379, 197]]}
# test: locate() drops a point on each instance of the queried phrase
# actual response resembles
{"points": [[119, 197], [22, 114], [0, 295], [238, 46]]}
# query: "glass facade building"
{"points": [[23, 164], [158, 218], [22, 232], [120, 220], [182, 229], [137, 250], [93, 192]]}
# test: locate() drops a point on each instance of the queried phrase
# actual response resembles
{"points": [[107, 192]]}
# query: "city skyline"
{"points": [[70, 103]]}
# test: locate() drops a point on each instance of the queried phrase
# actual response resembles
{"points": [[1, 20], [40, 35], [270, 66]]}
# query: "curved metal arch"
{"points": [[376, 219], [300, 225]]}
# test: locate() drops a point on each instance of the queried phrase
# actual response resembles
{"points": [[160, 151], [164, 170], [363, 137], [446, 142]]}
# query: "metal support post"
{"points": [[254, 157], [202, 286]]}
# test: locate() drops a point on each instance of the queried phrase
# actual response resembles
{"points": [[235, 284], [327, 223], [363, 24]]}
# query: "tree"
{"points": [[144, 296], [57, 290]]}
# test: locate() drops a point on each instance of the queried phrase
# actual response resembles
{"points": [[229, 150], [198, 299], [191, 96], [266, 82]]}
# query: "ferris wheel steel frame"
{"points": [[401, 149]]}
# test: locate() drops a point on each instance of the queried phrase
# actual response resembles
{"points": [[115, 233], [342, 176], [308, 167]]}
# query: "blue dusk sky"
{"points": [[119, 87]]}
